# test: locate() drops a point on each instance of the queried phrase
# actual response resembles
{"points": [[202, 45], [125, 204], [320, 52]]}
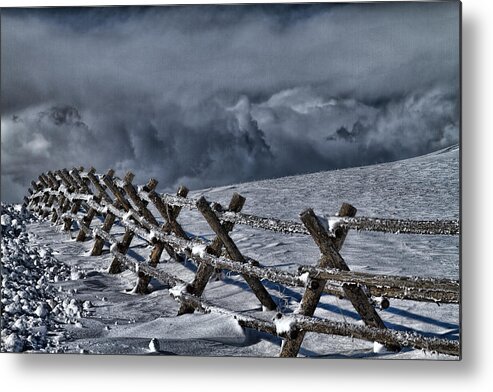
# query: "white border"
{"points": [[473, 373]]}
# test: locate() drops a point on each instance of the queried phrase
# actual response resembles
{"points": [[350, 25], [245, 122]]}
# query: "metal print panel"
{"points": [[232, 180]]}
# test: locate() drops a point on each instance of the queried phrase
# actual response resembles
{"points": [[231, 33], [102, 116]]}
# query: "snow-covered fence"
{"points": [[78, 196]]}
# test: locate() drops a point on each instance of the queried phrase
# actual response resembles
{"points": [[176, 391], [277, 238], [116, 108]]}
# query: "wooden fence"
{"points": [[72, 196]]}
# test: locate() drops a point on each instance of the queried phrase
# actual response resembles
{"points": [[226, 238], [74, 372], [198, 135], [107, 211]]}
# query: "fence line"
{"points": [[295, 322], [399, 287], [384, 225], [65, 194]]}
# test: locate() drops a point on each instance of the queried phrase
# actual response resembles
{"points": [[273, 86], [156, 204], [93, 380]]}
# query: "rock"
{"points": [[154, 345], [14, 344], [28, 298], [6, 220], [42, 310], [87, 305]]}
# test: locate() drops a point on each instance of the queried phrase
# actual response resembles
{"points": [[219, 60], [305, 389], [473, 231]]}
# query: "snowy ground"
{"points": [[121, 323]]}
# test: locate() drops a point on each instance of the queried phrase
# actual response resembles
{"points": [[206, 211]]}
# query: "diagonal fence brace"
{"points": [[329, 247], [109, 219], [259, 290], [171, 214], [205, 271], [123, 246]]}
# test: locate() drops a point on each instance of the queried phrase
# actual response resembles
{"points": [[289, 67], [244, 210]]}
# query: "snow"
{"points": [[153, 235], [419, 188], [178, 290], [13, 343], [42, 310], [31, 305], [199, 250], [284, 324], [379, 348], [304, 277], [333, 223], [154, 345], [6, 220]]}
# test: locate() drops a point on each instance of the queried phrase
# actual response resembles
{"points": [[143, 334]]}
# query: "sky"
{"points": [[205, 96]]}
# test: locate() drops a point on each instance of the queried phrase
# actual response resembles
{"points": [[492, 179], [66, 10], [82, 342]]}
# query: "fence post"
{"points": [[205, 271], [115, 266], [34, 200], [75, 188], [91, 213], [109, 219], [97, 184], [83, 186], [44, 197], [37, 201], [101, 193], [124, 244], [235, 254], [53, 185], [314, 287], [64, 202], [170, 214], [332, 259]]}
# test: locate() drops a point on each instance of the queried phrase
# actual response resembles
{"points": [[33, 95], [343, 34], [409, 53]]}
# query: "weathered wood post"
{"points": [[60, 201], [109, 219], [43, 180], [91, 213], [205, 271], [235, 254], [170, 214], [70, 179], [45, 188], [53, 186], [101, 194], [97, 184], [74, 188], [35, 200], [329, 247], [64, 202], [82, 185], [115, 266]]}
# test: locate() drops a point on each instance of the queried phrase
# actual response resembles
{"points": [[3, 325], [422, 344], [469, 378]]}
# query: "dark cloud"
{"points": [[211, 95]]}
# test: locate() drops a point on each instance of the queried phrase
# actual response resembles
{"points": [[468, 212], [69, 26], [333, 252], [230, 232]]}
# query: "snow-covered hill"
{"points": [[425, 187]]}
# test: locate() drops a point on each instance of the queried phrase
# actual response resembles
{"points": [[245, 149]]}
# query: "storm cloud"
{"points": [[211, 95]]}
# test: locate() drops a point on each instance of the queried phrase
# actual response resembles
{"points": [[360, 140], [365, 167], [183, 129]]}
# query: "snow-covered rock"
{"points": [[13, 343], [154, 345], [31, 305], [42, 310]]}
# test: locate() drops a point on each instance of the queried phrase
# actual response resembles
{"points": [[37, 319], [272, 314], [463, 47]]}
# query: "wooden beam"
{"points": [[233, 251], [330, 246], [205, 271], [142, 284], [109, 219], [116, 267], [97, 184]]}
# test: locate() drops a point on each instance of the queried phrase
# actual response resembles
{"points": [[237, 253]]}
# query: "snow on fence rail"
{"points": [[78, 196]]}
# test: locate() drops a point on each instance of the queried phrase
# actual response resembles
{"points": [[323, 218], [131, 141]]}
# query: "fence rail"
{"points": [[78, 196]]}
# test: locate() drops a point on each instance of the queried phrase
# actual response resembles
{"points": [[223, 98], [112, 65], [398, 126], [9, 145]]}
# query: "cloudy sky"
{"points": [[212, 95]]}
